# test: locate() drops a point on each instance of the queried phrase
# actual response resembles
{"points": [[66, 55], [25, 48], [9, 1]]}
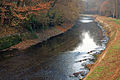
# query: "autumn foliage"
{"points": [[109, 8], [34, 15], [14, 12]]}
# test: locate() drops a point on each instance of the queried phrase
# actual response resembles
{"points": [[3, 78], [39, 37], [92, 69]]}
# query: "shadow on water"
{"points": [[62, 57]]}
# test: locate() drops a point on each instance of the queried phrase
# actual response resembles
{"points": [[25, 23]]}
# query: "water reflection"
{"points": [[60, 57], [68, 63], [85, 19], [88, 43]]}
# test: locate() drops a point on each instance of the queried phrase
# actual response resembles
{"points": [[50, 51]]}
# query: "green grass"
{"points": [[119, 29], [99, 69], [96, 73], [34, 35], [117, 21], [109, 51], [118, 78], [117, 46], [8, 41], [104, 68], [31, 35], [107, 66]]}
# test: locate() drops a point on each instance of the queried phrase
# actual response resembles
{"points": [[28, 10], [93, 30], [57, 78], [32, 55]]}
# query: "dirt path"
{"points": [[100, 58], [97, 74]]}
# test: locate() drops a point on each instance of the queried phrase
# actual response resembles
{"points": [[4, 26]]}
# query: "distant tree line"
{"points": [[104, 7], [110, 8]]}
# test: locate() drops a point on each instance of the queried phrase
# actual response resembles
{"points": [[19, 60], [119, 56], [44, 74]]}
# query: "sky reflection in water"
{"points": [[87, 45], [86, 20]]}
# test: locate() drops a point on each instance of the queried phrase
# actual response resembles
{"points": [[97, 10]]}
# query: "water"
{"points": [[86, 20], [60, 58], [87, 45]]}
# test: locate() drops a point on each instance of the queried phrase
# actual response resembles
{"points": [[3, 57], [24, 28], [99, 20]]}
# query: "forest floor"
{"points": [[42, 36], [107, 66]]}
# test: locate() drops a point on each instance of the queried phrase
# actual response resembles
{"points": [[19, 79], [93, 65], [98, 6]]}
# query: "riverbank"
{"points": [[107, 66], [42, 36], [46, 59]]}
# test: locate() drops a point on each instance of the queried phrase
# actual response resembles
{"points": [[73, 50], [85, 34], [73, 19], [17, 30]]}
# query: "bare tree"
{"points": [[113, 13]]}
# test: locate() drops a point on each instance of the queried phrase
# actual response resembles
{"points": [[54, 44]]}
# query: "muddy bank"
{"points": [[43, 36]]}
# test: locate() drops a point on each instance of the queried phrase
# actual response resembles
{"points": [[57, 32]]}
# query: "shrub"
{"points": [[26, 36], [8, 41]]}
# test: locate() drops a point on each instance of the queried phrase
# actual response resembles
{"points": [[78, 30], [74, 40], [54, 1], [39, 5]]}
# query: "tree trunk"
{"points": [[113, 9], [2, 14], [118, 9], [116, 4], [2, 18]]}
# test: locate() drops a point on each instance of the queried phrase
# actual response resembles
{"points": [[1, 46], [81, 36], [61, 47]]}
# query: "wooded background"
{"points": [[109, 8], [33, 15]]}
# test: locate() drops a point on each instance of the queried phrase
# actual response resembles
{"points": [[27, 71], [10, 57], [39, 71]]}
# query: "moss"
{"points": [[27, 36], [8, 41], [33, 35]]}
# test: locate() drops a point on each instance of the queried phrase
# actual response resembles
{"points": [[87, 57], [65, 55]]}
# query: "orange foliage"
{"points": [[22, 12], [106, 8]]}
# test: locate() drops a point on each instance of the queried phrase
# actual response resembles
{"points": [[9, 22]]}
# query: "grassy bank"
{"points": [[8, 41], [107, 66], [34, 38]]}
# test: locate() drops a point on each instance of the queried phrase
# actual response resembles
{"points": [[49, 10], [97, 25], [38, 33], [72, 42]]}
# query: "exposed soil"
{"points": [[107, 67], [42, 36]]}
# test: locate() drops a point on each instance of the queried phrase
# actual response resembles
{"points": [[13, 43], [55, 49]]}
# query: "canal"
{"points": [[62, 57]]}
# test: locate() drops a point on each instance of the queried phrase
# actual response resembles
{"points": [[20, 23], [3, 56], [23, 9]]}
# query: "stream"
{"points": [[62, 57]]}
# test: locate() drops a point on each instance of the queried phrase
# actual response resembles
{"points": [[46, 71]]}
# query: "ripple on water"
{"points": [[86, 21], [70, 65]]}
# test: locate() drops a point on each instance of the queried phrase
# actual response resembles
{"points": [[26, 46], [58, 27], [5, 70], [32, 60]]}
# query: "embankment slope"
{"points": [[107, 66]]}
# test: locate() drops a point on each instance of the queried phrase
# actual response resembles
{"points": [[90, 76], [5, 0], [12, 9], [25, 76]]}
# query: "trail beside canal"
{"points": [[107, 66]]}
